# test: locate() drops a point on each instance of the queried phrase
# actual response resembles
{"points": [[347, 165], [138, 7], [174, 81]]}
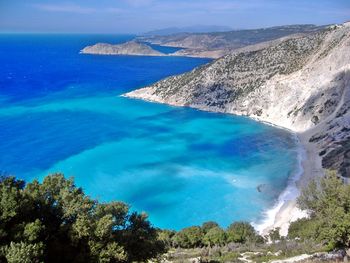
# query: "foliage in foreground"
{"points": [[327, 228], [54, 221], [328, 203], [210, 234], [234, 252]]}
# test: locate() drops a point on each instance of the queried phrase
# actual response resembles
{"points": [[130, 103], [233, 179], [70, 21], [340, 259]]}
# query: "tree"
{"points": [[166, 236], [241, 232], [23, 252], [215, 236], [140, 239], [328, 204], [304, 228], [206, 226], [274, 234], [189, 237], [54, 221]]}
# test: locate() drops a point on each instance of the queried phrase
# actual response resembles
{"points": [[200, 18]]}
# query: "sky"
{"points": [[137, 16]]}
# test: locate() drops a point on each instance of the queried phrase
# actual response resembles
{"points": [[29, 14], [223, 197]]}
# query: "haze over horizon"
{"points": [[137, 16]]}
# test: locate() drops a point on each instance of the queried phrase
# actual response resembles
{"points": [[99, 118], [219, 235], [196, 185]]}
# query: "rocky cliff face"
{"points": [[129, 48], [300, 83]]}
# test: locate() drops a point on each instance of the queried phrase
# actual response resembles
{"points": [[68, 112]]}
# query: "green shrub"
{"points": [[23, 252], [274, 234], [328, 203], [303, 229], [189, 237], [215, 236], [166, 237], [241, 232], [209, 225]]}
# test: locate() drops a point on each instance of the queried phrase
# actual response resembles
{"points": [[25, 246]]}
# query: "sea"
{"points": [[61, 111]]}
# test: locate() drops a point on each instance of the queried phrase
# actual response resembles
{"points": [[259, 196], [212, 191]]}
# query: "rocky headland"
{"points": [[129, 48]]}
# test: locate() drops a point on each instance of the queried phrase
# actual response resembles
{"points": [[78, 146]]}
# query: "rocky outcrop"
{"points": [[300, 83], [129, 48]]}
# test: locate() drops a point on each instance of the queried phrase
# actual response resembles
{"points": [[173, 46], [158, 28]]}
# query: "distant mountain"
{"points": [[210, 45], [189, 29], [231, 39]]}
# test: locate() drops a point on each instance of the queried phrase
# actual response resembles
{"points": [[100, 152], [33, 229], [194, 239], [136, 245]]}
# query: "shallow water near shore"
{"points": [[62, 112]]}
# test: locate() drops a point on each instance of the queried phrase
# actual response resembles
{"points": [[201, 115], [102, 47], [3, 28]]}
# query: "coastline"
{"points": [[285, 209], [311, 99]]}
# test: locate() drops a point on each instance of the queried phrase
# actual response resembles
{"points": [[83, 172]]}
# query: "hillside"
{"points": [[189, 29], [129, 48], [204, 45], [225, 42], [301, 84]]}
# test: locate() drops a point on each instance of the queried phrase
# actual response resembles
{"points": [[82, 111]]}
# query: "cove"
{"points": [[62, 112]]}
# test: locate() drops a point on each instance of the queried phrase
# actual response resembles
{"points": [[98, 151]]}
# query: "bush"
{"points": [[209, 225], [166, 237], [328, 203], [189, 237], [303, 229], [241, 232], [215, 236], [274, 234], [23, 252]]}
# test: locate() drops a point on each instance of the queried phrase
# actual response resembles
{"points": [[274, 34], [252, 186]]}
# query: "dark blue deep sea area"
{"points": [[61, 111]]}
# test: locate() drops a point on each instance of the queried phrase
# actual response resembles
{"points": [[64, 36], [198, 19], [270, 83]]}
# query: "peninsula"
{"points": [[129, 48]]}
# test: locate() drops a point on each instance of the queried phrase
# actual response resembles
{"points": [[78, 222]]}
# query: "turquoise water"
{"points": [[61, 111]]}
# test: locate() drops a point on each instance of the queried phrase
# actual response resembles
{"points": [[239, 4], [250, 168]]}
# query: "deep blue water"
{"points": [[60, 111], [164, 49]]}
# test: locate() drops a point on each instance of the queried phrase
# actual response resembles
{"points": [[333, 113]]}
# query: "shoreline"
{"points": [[285, 206], [285, 209]]}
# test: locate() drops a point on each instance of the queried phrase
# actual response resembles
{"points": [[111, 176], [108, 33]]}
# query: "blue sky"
{"points": [[135, 16]]}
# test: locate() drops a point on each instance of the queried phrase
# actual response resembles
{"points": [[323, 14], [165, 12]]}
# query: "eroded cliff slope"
{"points": [[301, 83]]}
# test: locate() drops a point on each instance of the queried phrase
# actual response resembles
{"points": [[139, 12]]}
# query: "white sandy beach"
{"points": [[286, 212]]}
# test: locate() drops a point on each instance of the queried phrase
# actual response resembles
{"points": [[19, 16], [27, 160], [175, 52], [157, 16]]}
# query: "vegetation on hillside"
{"points": [[210, 234], [54, 221], [327, 229], [328, 203]]}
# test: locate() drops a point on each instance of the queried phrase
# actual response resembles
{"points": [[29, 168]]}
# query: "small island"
{"points": [[133, 48]]}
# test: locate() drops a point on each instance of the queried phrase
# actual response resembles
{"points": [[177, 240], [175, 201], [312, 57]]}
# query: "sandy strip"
{"points": [[312, 168]]}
